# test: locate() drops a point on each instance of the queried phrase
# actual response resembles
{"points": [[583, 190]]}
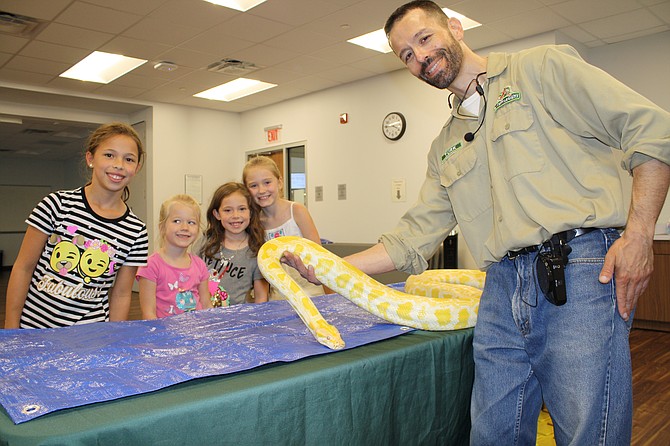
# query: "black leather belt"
{"points": [[565, 235]]}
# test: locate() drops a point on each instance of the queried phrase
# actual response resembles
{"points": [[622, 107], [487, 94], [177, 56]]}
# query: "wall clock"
{"points": [[394, 125]]}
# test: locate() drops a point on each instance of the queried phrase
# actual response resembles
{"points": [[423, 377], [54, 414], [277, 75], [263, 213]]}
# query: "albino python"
{"points": [[441, 305]]}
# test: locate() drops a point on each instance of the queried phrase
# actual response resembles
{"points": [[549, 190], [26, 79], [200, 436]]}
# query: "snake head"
{"points": [[328, 335]]}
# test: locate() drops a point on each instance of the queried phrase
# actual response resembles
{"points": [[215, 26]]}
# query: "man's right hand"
{"points": [[294, 261]]}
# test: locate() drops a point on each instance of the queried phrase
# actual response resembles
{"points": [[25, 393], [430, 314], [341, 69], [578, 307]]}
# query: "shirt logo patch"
{"points": [[507, 96], [451, 150]]}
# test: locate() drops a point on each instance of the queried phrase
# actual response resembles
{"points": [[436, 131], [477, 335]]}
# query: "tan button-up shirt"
{"points": [[542, 162]]}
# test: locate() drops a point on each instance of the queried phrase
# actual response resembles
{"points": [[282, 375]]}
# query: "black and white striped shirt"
{"points": [[78, 266]]}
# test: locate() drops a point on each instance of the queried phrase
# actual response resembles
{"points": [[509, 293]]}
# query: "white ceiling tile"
{"points": [[158, 31], [622, 24], [577, 33], [580, 11], [141, 49], [295, 12], [263, 29], [4, 57], [263, 55], [215, 42], [60, 34], [137, 81], [12, 43], [50, 51], [193, 13], [84, 15], [662, 11], [301, 41], [312, 83], [343, 53], [37, 65], [529, 23], [485, 11], [381, 63], [634, 35], [274, 76], [307, 65], [117, 90], [345, 74], [164, 93], [136, 7], [352, 21], [485, 36]]}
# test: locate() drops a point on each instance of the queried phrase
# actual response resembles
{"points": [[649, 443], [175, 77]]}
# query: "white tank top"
{"points": [[289, 227]]}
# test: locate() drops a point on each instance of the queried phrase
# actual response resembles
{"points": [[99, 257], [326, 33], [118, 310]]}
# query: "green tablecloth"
{"points": [[413, 389]]}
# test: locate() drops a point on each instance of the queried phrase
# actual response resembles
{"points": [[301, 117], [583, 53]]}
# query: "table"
{"points": [[412, 389]]}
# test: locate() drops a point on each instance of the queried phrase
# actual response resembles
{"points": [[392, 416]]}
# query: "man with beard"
{"points": [[524, 166]]}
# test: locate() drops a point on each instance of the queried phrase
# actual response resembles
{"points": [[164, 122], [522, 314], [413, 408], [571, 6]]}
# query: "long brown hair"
{"points": [[109, 130], [215, 234]]}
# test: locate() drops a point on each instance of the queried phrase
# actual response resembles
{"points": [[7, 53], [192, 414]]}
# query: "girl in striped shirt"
{"points": [[82, 247]]}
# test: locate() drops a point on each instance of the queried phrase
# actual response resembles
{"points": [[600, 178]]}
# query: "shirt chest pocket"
{"points": [[516, 144], [467, 181]]}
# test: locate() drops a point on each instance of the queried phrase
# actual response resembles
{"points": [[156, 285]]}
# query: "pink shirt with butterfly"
{"points": [[176, 288]]}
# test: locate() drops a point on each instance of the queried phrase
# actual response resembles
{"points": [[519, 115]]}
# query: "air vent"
{"points": [[48, 142], [36, 132], [233, 67], [17, 25]]}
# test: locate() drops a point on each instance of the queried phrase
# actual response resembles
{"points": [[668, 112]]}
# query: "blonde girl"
{"points": [[174, 280], [279, 216], [232, 239], [82, 247]]}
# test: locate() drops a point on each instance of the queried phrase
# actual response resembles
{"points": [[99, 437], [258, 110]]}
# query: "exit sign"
{"points": [[272, 133]]}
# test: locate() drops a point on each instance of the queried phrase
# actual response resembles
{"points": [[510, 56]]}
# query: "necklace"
{"points": [[227, 260]]}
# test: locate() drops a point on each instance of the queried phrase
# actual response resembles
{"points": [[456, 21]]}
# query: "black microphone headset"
{"points": [[471, 135]]}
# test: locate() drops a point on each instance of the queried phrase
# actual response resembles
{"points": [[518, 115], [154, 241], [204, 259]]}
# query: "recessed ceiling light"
{"points": [[234, 90], [240, 5], [377, 41], [10, 120], [102, 67]]}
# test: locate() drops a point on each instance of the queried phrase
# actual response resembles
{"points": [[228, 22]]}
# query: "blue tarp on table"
{"points": [[42, 371]]}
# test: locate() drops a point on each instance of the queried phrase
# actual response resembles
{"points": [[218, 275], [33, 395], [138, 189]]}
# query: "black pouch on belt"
{"points": [[550, 269]]}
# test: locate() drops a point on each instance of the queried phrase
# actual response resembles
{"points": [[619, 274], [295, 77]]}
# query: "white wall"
{"points": [[356, 154], [187, 140]]}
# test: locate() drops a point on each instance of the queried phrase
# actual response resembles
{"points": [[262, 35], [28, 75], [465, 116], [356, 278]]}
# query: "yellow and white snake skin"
{"points": [[439, 299]]}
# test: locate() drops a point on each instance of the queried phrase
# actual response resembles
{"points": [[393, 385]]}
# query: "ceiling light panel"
{"points": [[102, 67], [239, 5], [236, 89]]}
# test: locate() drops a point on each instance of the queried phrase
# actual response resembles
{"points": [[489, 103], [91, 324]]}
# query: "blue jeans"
{"points": [[575, 357]]}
